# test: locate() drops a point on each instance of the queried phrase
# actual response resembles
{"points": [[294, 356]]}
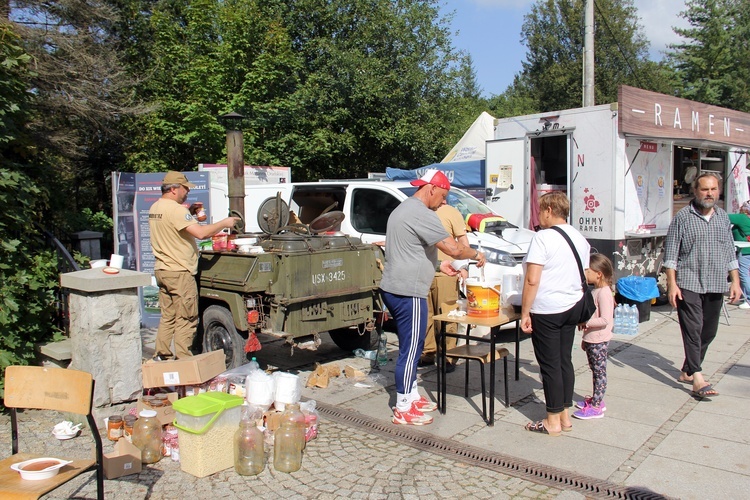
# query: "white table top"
{"points": [[742, 244]]}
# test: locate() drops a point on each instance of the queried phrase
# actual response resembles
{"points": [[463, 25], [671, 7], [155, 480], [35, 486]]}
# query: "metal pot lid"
{"points": [[273, 214], [327, 221]]}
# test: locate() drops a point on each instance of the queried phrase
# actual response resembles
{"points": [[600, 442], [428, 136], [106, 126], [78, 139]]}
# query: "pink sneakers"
{"points": [[587, 401], [411, 417], [588, 412], [425, 405]]}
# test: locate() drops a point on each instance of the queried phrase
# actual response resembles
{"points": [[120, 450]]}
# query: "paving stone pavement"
{"points": [[655, 435], [340, 463]]}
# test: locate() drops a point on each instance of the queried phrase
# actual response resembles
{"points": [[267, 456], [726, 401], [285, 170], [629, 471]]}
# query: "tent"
{"points": [[464, 165], [472, 144], [463, 174]]}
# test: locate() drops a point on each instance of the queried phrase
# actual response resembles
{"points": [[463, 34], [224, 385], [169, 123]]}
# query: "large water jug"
{"points": [[147, 436], [249, 455], [287, 454]]}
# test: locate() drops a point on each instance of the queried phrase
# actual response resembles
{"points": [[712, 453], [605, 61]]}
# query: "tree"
{"points": [[14, 99], [331, 88], [553, 34], [80, 96], [712, 64]]}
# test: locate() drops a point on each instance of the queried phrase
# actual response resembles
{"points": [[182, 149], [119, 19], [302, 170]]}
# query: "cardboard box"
{"points": [[187, 371], [165, 414], [124, 460]]}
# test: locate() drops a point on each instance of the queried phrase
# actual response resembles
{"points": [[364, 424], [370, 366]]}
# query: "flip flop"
{"points": [[538, 426], [704, 392], [567, 428], [684, 381]]}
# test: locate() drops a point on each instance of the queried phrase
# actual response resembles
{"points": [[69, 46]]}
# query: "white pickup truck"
{"points": [[367, 204]]}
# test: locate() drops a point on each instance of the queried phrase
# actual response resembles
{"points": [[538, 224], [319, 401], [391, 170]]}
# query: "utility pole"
{"points": [[588, 54]]}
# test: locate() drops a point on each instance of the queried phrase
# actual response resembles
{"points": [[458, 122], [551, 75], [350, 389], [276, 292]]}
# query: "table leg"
{"points": [[518, 349], [441, 376], [491, 421]]}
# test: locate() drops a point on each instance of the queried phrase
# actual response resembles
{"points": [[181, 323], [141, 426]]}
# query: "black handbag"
{"points": [[589, 307]]}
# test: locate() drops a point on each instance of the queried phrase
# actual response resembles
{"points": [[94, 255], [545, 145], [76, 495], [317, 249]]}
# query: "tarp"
{"points": [[462, 174], [472, 144]]}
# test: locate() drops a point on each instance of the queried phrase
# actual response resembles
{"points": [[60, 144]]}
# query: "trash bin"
{"points": [[638, 290]]}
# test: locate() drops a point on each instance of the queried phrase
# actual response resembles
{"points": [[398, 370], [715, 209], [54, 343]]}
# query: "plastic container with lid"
{"points": [[147, 436], [206, 426]]}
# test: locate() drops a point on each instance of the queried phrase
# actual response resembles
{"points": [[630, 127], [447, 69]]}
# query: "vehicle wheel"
{"points": [[349, 339], [219, 333]]}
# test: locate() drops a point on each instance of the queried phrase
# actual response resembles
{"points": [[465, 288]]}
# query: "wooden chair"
{"points": [[483, 355], [64, 390]]}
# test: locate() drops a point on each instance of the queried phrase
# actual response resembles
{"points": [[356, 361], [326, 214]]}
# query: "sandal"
{"points": [[538, 426], [704, 392], [567, 428]]}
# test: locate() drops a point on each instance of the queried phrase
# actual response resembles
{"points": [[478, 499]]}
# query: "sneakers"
{"points": [[744, 305], [588, 412], [425, 405], [411, 417], [587, 402]]}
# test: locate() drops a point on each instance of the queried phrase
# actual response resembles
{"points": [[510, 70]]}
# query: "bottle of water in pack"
{"points": [[619, 316], [632, 328], [636, 319]]}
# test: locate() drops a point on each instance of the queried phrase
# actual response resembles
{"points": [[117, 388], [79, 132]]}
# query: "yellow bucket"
{"points": [[483, 297]]}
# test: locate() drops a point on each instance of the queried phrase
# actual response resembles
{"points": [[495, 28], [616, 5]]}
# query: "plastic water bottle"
{"points": [[361, 353], [253, 365], [628, 322], [619, 316], [632, 319], [382, 350], [635, 315]]}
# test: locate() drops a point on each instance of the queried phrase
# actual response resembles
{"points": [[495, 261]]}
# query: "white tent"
{"points": [[471, 146]]}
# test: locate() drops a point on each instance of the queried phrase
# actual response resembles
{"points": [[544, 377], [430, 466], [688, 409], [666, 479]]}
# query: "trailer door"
{"points": [[506, 180]]}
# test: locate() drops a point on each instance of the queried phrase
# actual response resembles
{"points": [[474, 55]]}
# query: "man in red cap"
{"points": [[413, 237], [173, 234]]}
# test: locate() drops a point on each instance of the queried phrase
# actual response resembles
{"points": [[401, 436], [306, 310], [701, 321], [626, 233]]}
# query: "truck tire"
{"points": [[219, 333], [349, 339]]}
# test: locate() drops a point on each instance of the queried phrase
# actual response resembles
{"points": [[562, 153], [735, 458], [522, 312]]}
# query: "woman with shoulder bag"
{"points": [[552, 305]]}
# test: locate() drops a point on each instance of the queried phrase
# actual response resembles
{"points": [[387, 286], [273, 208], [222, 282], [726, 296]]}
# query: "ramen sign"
{"points": [[650, 114]]}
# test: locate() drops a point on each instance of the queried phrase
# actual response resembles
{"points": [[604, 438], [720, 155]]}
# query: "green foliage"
{"points": [[13, 96], [712, 62], [553, 33], [28, 272], [331, 88]]}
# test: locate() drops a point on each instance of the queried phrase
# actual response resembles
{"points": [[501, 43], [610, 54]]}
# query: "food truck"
{"points": [[626, 167]]}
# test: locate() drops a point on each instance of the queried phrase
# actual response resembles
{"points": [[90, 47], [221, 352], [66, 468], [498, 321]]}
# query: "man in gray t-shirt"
{"points": [[413, 236]]}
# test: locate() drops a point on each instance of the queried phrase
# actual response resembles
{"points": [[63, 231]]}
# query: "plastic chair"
{"points": [[59, 389], [482, 354]]}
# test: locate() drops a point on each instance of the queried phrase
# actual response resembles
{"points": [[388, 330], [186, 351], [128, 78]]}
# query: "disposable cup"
{"points": [[98, 263], [116, 260]]}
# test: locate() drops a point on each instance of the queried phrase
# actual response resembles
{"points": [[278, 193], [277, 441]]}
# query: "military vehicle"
{"points": [[307, 279]]}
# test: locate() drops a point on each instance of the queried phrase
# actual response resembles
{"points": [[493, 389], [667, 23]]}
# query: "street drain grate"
{"points": [[512, 466]]}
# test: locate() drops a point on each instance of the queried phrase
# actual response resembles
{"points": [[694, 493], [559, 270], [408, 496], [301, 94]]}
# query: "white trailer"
{"points": [[626, 168]]}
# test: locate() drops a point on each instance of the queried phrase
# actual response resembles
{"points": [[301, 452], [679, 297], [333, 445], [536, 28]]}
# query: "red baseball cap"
{"points": [[434, 177]]}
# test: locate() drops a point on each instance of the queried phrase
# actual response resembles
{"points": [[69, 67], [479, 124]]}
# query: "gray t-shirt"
{"points": [[411, 255]]}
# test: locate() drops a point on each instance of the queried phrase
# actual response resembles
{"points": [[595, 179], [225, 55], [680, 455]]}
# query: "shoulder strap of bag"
{"points": [[575, 253]]}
